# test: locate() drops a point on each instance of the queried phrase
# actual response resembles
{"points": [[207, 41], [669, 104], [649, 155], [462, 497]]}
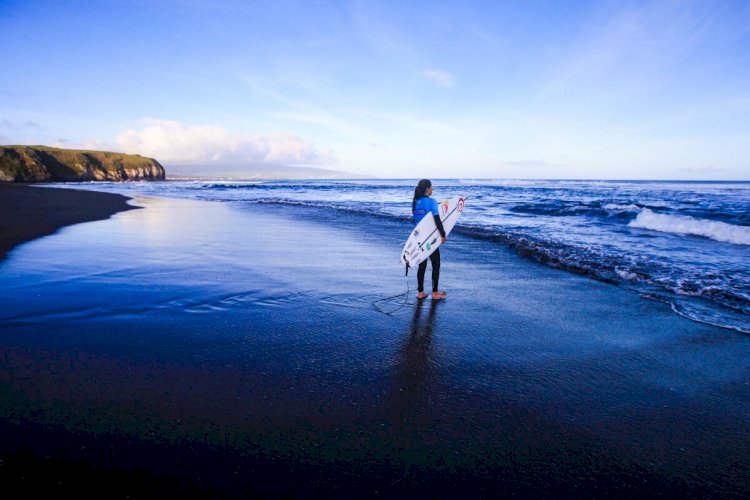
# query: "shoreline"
{"points": [[211, 341], [30, 212]]}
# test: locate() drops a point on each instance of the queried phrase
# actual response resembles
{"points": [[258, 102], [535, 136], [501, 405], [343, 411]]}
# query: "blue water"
{"points": [[686, 244]]}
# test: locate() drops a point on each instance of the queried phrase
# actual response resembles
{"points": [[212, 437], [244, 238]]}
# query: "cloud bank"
{"points": [[173, 142]]}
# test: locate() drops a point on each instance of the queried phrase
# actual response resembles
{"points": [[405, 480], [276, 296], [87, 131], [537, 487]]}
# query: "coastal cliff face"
{"points": [[46, 164]]}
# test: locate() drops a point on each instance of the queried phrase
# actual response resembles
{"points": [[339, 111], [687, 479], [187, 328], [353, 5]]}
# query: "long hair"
{"points": [[419, 191]]}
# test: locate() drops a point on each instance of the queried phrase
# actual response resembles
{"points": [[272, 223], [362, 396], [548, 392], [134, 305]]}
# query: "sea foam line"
{"points": [[682, 224]]}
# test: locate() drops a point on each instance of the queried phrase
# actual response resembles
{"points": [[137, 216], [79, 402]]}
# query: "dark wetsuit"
{"points": [[424, 206]]}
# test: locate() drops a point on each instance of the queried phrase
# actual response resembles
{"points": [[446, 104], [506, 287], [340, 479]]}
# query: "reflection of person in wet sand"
{"points": [[414, 367]]}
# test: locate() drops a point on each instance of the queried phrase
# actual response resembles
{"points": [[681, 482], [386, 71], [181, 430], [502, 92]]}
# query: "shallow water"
{"points": [[686, 244]]}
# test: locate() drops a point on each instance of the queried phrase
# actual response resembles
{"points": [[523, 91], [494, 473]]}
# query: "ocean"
{"points": [[686, 244]]}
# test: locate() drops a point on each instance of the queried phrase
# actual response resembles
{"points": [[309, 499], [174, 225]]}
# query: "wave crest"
{"points": [[682, 224]]}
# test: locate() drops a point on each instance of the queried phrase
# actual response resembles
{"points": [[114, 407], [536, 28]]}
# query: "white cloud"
{"points": [[439, 77], [171, 141]]}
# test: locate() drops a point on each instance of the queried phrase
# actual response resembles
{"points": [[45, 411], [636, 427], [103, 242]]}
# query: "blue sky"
{"points": [[496, 89]]}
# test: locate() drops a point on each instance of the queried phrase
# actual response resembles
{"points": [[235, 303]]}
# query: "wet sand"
{"points": [[29, 212], [272, 351]]}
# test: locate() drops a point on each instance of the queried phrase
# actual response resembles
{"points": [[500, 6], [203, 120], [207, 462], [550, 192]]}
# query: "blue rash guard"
{"points": [[427, 205]]}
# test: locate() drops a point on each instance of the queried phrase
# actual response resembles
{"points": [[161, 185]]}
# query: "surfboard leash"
{"points": [[401, 306]]}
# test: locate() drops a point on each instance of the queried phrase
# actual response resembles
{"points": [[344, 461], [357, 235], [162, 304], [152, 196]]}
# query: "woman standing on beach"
{"points": [[421, 205]]}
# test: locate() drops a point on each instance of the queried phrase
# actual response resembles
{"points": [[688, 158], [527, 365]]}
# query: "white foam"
{"points": [[615, 207], [500, 182], [626, 275], [678, 224]]}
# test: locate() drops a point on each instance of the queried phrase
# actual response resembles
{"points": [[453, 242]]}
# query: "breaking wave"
{"points": [[684, 224]]}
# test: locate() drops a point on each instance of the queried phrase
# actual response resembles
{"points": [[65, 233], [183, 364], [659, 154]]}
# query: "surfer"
{"points": [[421, 205]]}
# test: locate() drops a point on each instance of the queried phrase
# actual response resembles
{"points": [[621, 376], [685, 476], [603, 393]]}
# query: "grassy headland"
{"points": [[48, 164]]}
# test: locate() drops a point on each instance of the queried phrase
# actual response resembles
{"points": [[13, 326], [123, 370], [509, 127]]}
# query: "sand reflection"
{"points": [[414, 368]]}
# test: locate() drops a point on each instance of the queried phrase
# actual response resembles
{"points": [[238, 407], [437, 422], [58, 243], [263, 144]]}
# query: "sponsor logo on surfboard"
{"points": [[428, 246], [444, 207], [460, 204]]}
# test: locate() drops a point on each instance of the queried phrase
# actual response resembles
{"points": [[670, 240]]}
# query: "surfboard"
{"points": [[425, 238]]}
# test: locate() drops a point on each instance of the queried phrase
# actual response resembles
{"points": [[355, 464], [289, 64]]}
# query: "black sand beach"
{"points": [[31, 212], [197, 348]]}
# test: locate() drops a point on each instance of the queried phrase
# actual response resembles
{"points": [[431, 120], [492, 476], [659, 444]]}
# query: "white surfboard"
{"points": [[425, 237]]}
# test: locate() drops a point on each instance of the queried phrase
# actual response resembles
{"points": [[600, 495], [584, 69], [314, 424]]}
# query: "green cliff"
{"points": [[46, 164]]}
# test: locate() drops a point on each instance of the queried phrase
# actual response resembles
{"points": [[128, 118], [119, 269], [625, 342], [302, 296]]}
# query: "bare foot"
{"points": [[438, 295], [421, 295]]}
